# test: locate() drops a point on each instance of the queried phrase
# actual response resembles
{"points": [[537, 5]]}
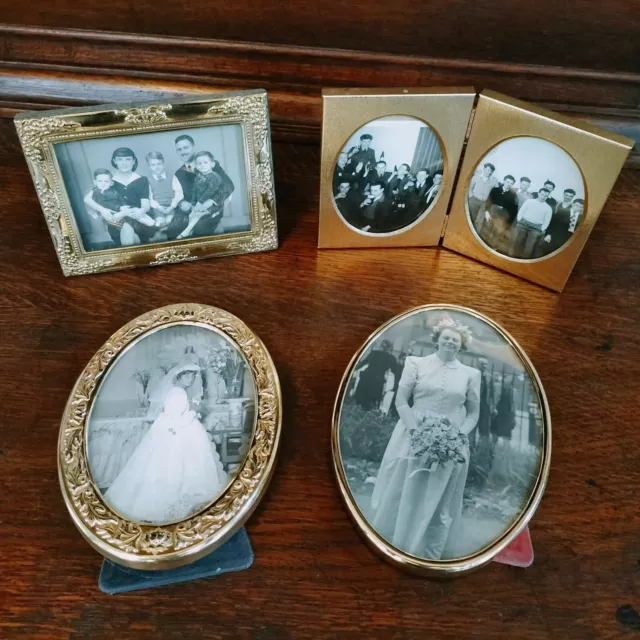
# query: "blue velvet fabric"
{"points": [[235, 555]]}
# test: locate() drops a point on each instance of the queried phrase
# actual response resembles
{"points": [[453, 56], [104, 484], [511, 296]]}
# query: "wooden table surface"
{"points": [[313, 577]]}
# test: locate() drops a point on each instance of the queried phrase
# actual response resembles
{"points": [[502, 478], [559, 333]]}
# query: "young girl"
{"points": [[175, 471], [208, 198]]}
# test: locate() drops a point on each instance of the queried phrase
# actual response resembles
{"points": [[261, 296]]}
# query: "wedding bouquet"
{"points": [[437, 441]]}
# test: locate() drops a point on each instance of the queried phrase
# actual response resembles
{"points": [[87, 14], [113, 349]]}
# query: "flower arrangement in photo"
{"points": [[437, 441], [220, 358]]}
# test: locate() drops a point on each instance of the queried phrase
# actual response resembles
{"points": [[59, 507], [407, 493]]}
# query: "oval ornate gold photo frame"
{"points": [[454, 376], [164, 542]]}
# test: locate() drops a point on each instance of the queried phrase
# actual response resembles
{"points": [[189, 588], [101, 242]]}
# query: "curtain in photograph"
{"points": [[78, 180], [427, 153]]}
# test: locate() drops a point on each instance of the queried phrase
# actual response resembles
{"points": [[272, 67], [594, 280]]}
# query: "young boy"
{"points": [[166, 192], [209, 195], [113, 207], [105, 195]]}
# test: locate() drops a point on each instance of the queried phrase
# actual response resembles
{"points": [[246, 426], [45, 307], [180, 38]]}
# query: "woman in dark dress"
{"points": [[137, 226]]}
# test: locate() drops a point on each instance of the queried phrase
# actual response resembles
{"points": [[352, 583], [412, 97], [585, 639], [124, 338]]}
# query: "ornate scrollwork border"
{"points": [[39, 133], [161, 547]]}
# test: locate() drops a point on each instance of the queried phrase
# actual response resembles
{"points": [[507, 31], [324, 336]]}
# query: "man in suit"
{"points": [[379, 175], [561, 228], [370, 389], [375, 211], [500, 212], [399, 191], [433, 193], [399, 179], [480, 441], [341, 172], [550, 187], [346, 203], [418, 196]]}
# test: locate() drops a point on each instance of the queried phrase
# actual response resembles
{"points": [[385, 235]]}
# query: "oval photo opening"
{"points": [[440, 435], [171, 424], [388, 175], [526, 198]]}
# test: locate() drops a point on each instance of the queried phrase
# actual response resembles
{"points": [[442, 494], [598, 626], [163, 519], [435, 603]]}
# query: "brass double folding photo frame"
{"points": [[388, 151]]}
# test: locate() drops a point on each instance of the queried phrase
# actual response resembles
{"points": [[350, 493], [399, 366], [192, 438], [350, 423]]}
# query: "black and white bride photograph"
{"points": [[388, 175], [440, 434], [171, 424]]}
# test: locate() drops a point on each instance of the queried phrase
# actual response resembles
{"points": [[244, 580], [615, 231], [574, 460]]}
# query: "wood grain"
{"points": [[42, 68], [579, 33], [313, 576]]}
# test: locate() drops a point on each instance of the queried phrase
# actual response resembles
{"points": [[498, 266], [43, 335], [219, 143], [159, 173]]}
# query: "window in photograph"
{"points": [[156, 187], [388, 175], [440, 435], [169, 423], [526, 198]]}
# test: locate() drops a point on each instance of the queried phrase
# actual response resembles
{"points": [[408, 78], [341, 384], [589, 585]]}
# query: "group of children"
{"points": [[138, 209]]}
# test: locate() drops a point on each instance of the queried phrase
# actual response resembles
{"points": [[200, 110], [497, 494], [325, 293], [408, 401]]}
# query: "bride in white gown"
{"points": [[175, 470]]}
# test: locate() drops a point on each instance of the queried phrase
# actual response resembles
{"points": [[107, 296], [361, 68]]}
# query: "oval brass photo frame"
{"points": [[508, 371], [151, 546]]}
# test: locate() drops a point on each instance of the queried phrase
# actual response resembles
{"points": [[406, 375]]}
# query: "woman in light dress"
{"points": [[416, 509], [175, 471]]}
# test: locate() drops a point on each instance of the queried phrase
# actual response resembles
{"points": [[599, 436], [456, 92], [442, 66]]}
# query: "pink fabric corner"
{"points": [[519, 553]]}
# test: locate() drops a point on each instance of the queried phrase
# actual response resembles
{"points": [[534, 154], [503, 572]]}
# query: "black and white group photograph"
{"points": [[388, 175], [440, 434], [156, 187], [526, 198], [171, 424]]}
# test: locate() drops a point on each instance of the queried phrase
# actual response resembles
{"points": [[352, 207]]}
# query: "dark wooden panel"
{"points": [[313, 576], [45, 68], [580, 33], [300, 70]]}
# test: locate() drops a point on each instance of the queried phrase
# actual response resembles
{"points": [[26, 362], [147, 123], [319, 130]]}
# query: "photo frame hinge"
{"points": [[444, 226], [470, 124]]}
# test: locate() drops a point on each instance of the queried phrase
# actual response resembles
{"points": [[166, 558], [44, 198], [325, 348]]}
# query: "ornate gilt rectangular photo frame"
{"points": [[133, 185]]}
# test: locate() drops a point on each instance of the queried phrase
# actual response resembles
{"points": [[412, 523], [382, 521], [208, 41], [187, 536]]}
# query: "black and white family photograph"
{"points": [[156, 187], [526, 198], [171, 424], [440, 435], [388, 174]]}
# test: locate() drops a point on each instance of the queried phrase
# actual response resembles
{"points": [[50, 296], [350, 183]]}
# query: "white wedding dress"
{"points": [[174, 471]]}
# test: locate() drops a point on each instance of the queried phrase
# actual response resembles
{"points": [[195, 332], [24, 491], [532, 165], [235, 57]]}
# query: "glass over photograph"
{"points": [[440, 435], [171, 424], [156, 187], [388, 174], [526, 198]]}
